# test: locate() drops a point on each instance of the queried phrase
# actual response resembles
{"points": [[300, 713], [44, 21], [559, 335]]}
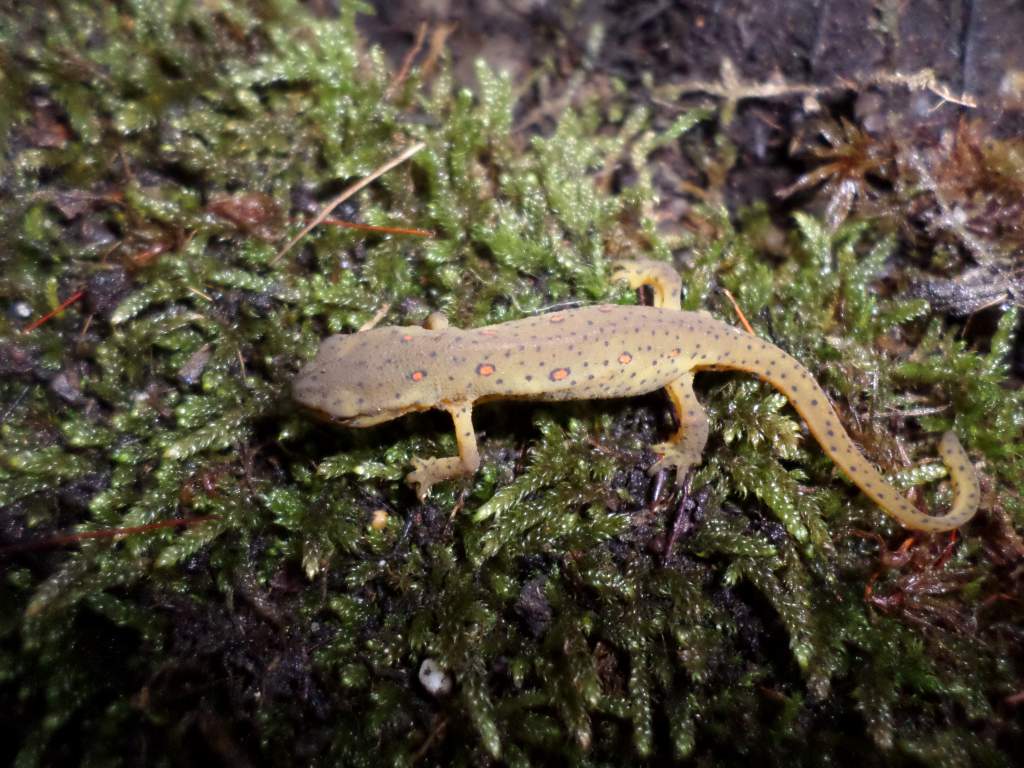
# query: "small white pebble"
{"points": [[436, 681]]}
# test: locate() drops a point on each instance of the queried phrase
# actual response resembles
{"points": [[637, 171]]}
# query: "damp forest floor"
{"points": [[192, 570]]}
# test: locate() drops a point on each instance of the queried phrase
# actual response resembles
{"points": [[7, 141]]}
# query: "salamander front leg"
{"points": [[662, 278], [683, 450], [428, 472]]}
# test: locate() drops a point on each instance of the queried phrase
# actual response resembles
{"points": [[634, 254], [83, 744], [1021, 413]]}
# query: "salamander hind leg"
{"points": [[684, 449], [436, 321], [428, 472], [662, 278]]}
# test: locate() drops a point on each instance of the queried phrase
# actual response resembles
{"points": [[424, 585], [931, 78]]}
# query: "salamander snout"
{"points": [[330, 384], [365, 378]]}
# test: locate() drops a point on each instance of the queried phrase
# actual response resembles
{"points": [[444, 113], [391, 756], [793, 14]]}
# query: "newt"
{"points": [[601, 351]]}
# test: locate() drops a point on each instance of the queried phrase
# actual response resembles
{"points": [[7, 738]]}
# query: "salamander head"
{"points": [[366, 378]]}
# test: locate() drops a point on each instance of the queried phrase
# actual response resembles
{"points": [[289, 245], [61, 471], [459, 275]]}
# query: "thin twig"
{"points": [[107, 533], [17, 401], [731, 87], [438, 38], [739, 312], [49, 315], [377, 228], [85, 327], [682, 516], [377, 317], [403, 71], [346, 194]]}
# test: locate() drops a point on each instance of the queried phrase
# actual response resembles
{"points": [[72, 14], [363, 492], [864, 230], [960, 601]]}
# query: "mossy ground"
{"points": [[157, 155]]}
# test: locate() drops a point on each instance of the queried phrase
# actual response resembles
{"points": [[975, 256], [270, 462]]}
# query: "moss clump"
{"points": [[156, 156]]}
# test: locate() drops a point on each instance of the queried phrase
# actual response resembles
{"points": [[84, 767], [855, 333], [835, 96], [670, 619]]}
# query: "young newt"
{"points": [[373, 376]]}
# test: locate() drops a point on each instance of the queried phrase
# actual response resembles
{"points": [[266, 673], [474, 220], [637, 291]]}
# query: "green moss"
{"points": [[580, 619]]}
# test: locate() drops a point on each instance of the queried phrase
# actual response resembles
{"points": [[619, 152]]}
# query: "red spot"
{"points": [[418, 375], [558, 374], [625, 358], [485, 369], [407, 337], [557, 318], [488, 332], [675, 352]]}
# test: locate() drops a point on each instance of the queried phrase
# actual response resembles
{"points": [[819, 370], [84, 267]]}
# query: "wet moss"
{"points": [[157, 155]]}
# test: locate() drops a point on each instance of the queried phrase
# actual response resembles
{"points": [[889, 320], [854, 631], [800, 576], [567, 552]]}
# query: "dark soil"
{"points": [[847, 48]]}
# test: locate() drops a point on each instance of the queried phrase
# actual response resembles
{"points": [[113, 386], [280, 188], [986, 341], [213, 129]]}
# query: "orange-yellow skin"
{"points": [[602, 351]]}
